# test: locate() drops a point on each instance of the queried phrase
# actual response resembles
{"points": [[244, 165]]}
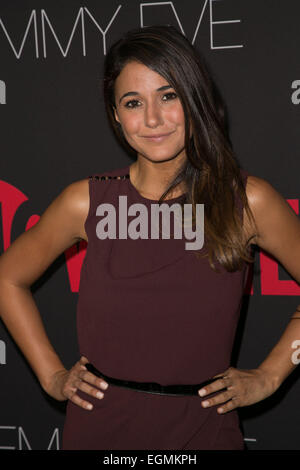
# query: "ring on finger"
{"points": [[235, 397], [78, 382], [225, 377]]}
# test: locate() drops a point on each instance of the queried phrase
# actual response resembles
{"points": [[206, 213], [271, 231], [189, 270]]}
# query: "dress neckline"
{"points": [[134, 190]]}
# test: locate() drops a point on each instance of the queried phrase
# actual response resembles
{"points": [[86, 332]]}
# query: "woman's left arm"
{"points": [[278, 233]]}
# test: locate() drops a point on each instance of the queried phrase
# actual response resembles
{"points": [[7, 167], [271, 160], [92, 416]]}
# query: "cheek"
{"points": [[176, 116], [130, 124]]}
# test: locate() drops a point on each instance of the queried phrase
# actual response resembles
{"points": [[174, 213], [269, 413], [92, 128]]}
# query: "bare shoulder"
{"points": [[277, 224], [258, 192], [257, 188], [266, 205], [252, 188], [76, 197]]}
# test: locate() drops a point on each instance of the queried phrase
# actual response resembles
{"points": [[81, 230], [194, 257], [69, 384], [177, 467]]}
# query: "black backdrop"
{"points": [[54, 132]]}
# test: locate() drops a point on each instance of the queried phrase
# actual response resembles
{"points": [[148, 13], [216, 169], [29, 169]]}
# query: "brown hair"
{"points": [[211, 172]]}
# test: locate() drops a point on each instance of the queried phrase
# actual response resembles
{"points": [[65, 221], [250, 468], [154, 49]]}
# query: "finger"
{"points": [[80, 371], [83, 360], [219, 375], [227, 373], [92, 379], [80, 402], [230, 405], [90, 390], [218, 384], [217, 399]]}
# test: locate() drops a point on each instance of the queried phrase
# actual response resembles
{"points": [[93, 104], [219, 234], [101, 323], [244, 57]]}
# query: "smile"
{"points": [[157, 137]]}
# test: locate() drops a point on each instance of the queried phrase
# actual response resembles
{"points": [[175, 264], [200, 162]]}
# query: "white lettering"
{"points": [[7, 447], [142, 5], [103, 32], [64, 53], [141, 221], [138, 227], [296, 95], [56, 437], [109, 221], [2, 352], [80, 17], [180, 459], [165, 210], [21, 435], [219, 22], [2, 96], [211, 22], [199, 22], [114, 460], [296, 354], [31, 19], [23, 442], [189, 233]]}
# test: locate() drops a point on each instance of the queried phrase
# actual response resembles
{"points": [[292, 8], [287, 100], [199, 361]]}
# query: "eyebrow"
{"points": [[134, 93]]}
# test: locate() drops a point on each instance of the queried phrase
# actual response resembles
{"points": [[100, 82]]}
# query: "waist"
{"points": [[151, 387]]}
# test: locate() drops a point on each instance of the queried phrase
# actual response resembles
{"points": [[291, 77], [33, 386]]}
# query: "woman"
{"points": [[148, 309]]}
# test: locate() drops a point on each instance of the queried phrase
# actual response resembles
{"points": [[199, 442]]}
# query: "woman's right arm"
{"points": [[26, 259]]}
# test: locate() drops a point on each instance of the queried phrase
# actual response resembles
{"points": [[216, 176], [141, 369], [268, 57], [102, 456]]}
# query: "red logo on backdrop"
{"points": [[270, 284], [11, 199]]}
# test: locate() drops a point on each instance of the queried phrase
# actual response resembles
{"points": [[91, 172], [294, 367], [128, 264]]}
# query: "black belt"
{"points": [[151, 387]]}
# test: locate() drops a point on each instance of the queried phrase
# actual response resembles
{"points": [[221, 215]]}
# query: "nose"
{"points": [[153, 115]]}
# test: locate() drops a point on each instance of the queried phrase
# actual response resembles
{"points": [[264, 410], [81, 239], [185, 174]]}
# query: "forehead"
{"points": [[138, 77]]}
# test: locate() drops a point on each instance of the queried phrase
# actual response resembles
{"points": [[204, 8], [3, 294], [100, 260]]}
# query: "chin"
{"points": [[160, 156]]}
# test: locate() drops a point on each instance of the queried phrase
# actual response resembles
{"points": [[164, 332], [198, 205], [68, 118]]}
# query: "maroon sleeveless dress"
{"points": [[149, 311]]}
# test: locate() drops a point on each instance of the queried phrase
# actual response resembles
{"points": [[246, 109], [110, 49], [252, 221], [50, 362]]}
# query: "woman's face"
{"points": [[150, 113]]}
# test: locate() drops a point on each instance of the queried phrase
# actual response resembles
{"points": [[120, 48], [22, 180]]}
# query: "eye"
{"points": [[135, 103], [131, 104], [170, 96]]}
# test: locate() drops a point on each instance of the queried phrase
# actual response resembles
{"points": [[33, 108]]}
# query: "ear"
{"points": [[116, 115]]}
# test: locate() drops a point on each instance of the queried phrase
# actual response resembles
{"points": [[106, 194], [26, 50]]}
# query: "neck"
{"points": [[151, 179]]}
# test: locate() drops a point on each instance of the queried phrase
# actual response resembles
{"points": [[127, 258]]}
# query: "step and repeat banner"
{"points": [[54, 132]]}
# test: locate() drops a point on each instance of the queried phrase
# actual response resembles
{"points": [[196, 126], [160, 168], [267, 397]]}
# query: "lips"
{"points": [[157, 137]]}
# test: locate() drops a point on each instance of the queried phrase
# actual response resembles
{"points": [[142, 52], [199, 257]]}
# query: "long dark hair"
{"points": [[211, 172]]}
